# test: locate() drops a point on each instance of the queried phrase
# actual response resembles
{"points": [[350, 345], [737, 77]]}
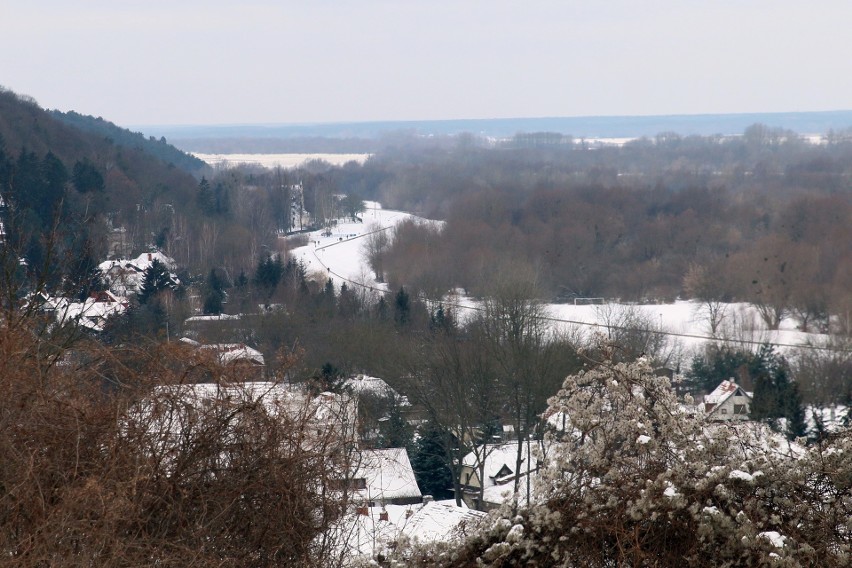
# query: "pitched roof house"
{"points": [[385, 476], [239, 357], [729, 401], [373, 532], [172, 412], [90, 314], [497, 464], [125, 276]]}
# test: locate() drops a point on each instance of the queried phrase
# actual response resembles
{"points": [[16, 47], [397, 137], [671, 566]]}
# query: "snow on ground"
{"points": [[278, 160], [683, 319], [340, 257]]}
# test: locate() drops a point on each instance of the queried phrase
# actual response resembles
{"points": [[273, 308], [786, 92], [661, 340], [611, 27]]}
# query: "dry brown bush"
{"points": [[87, 479]]}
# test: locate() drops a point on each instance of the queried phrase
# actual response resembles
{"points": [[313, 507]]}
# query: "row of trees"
{"points": [[762, 218], [639, 244], [38, 195]]}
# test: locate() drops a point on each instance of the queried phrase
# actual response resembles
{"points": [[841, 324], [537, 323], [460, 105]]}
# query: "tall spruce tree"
{"points": [[402, 307], [156, 279], [776, 395], [214, 293], [429, 463]]}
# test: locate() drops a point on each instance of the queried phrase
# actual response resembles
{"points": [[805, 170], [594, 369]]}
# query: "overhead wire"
{"points": [[579, 323]]}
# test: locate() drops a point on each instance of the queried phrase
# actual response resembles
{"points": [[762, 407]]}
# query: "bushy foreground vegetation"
{"points": [[103, 466], [631, 477]]}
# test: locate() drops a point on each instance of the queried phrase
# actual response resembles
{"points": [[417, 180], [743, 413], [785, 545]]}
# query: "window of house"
{"points": [[740, 409], [724, 411]]}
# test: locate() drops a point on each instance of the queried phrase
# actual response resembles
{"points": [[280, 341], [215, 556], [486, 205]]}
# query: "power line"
{"points": [[551, 319]]}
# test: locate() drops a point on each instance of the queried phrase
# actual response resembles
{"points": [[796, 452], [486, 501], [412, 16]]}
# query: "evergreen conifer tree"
{"points": [[206, 200], [214, 296], [156, 279], [776, 395], [402, 307], [86, 177], [428, 460], [382, 308]]}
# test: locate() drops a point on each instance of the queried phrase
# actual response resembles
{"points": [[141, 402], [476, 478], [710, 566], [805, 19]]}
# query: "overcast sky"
{"points": [[157, 62]]}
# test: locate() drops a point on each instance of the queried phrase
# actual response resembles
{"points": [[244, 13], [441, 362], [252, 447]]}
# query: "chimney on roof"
{"points": [[149, 257], [383, 515], [362, 510]]}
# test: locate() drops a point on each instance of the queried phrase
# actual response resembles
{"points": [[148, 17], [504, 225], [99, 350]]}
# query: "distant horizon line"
{"points": [[807, 123], [483, 119]]}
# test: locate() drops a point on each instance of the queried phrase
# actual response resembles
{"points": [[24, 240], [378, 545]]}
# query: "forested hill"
{"points": [[56, 176], [124, 137]]}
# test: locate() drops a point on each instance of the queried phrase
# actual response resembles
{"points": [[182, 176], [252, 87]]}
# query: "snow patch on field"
{"points": [[278, 160]]}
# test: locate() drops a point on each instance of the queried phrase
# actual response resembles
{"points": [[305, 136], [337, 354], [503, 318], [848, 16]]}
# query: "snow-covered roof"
{"points": [[146, 259], [442, 522], [358, 535], [374, 530], [388, 475], [172, 404], [274, 396], [217, 317], [228, 353], [91, 313], [500, 494], [723, 392], [140, 263], [500, 460], [362, 384], [126, 275]]}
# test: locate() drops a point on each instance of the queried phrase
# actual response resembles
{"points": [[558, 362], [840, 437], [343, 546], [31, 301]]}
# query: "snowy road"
{"points": [[340, 255]]}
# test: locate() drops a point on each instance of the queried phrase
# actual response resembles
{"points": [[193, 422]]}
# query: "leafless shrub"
{"points": [[89, 479]]}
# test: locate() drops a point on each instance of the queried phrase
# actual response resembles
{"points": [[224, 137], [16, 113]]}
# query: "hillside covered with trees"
{"points": [[158, 147]]}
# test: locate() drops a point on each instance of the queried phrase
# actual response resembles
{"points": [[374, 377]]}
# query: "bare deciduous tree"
{"points": [[375, 246], [707, 287]]}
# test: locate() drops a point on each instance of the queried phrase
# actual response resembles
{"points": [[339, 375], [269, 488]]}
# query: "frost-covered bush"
{"points": [[633, 477]]}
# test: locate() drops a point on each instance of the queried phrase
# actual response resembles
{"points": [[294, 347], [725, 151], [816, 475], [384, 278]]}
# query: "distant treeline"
{"points": [[763, 218]]}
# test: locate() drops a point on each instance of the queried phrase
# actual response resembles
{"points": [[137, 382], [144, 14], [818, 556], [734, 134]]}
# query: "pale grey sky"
{"points": [[216, 62]]}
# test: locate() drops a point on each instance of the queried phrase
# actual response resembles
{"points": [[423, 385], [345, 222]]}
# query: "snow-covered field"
{"points": [[278, 160], [340, 257], [686, 324]]}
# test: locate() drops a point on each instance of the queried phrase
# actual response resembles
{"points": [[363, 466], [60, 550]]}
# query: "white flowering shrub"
{"points": [[633, 477]]}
